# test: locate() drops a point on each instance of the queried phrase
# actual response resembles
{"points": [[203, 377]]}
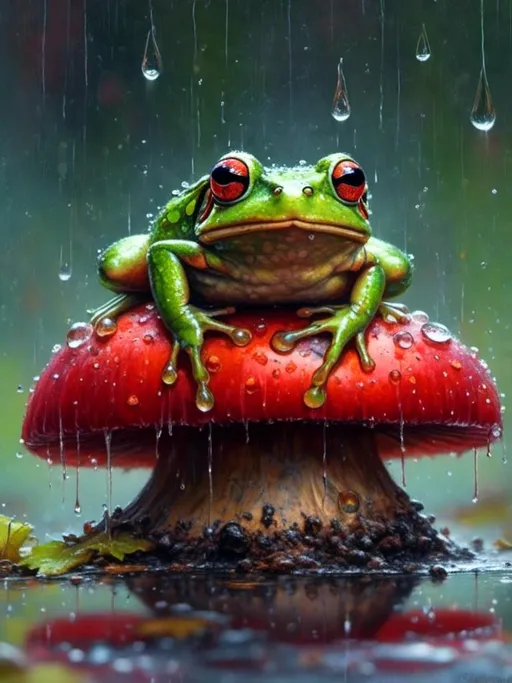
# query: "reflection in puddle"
{"points": [[297, 629]]}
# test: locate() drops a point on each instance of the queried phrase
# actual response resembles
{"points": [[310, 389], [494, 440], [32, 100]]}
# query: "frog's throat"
{"points": [[265, 226]]}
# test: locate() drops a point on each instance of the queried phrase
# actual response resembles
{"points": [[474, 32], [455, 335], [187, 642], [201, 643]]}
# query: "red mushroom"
{"points": [[300, 488]]}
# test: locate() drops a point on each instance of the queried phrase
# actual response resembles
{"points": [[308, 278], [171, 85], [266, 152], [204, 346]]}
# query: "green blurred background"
{"points": [[89, 149]]}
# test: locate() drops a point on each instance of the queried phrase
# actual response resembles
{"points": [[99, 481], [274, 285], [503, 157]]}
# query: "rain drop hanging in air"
{"points": [[340, 105], [423, 51], [483, 114], [152, 60]]}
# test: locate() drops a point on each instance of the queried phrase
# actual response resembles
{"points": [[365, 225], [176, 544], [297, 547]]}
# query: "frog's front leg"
{"points": [[343, 324], [397, 268], [187, 323], [122, 268]]}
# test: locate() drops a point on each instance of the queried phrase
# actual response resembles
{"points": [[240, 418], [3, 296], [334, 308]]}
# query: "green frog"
{"points": [[250, 235]]}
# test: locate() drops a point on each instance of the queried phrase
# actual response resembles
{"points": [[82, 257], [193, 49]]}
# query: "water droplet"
{"points": [[349, 501], [276, 374], [78, 334], [436, 332], [251, 385], [169, 374], [19, 455], [419, 317], [133, 400], [302, 162], [403, 339], [456, 364], [152, 60], [260, 357], [395, 376], [290, 367], [19, 389], [340, 104], [77, 508], [213, 364], [65, 271], [423, 51], [148, 338], [105, 327], [496, 432], [483, 114], [260, 328]]}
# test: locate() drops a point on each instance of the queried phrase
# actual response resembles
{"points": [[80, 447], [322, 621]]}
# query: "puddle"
{"points": [[190, 629]]}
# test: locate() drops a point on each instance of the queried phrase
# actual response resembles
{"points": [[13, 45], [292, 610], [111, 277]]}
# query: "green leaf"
{"points": [[58, 557]]}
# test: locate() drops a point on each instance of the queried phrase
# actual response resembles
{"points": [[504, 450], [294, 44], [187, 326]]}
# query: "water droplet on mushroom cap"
{"points": [[78, 334], [404, 340], [435, 332]]}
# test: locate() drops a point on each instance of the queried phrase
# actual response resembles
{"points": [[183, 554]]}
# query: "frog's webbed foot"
{"points": [[344, 323], [112, 309], [192, 344], [393, 312]]}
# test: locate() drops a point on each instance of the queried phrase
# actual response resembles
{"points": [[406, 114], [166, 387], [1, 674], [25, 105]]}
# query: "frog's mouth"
{"points": [[265, 226]]}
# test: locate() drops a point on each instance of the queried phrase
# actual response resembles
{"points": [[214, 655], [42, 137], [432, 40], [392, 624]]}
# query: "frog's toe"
{"points": [[170, 372], [240, 336], [114, 307], [367, 362], [285, 341], [393, 312], [308, 312]]}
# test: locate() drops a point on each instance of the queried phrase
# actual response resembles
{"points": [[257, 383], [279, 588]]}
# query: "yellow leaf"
{"points": [[12, 537]]}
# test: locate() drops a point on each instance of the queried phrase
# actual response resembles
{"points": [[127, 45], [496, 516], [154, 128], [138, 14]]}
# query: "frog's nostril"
{"points": [[277, 190], [307, 190]]}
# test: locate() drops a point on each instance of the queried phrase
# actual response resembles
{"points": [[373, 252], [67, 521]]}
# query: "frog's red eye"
{"points": [[229, 180], [349, 181]]}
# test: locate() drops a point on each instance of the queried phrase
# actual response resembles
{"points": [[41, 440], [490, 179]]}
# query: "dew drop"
{"points": [[106, 327], [483, 114], [133, 400], [403, 339], [148, 338], [435, 332], [213, 364], [290, 367], [65, 271], [395, 376], [169, 374], [423, 51], [251, 385], [260, 357], [340, 104], [152, 60], [260, 328], [419, 317], [276, 374], [456, 364], [78, 334], [349, 501], [19, 455], [77, 508], [19, 389]]}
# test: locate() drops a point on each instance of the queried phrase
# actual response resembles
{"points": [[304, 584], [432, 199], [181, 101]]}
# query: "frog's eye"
{"points": [[349, 181], [229, 180]]}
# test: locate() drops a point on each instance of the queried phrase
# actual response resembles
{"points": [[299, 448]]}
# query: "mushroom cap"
{"points": [[428, 393]]}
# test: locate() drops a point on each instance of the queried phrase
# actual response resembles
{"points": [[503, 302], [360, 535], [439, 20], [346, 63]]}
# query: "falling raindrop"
{"points": [[210, 472], [65, 271], [483, 114], [340, 104], [152, 60], [423, 51]]}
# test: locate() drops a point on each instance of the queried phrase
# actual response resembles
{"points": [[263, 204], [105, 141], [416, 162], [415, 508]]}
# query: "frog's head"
{"points": [[245, 197]]}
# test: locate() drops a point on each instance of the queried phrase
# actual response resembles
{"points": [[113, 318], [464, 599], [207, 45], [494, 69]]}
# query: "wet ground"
{"points": [[194, 629]]}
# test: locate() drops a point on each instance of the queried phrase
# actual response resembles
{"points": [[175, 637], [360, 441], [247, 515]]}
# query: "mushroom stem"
{"points": [[274, 482]]}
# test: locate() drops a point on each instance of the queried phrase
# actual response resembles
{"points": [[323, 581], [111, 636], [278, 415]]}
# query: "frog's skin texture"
{"points": [[249, 235]]}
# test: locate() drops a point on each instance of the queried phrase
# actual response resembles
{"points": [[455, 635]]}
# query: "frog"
{"points": [[250, 235]]}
